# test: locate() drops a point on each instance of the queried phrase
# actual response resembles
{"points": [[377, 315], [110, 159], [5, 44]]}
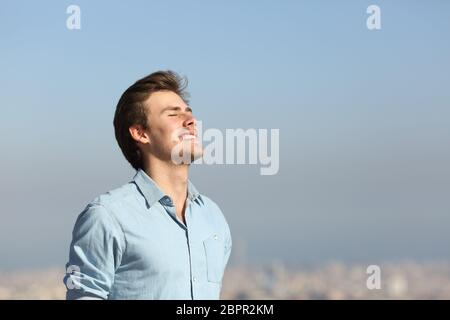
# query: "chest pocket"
{"points": [[214, 252]]}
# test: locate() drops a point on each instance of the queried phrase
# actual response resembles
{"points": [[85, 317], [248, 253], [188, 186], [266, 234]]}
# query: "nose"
{"points": [[190, 121]]}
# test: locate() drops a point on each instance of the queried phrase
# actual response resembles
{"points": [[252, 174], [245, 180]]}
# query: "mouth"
{"points": [[187, 136]]}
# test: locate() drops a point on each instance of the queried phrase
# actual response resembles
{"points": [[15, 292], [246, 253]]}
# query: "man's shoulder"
{"points": [[208, 202], [109, 206], [116, 197]]}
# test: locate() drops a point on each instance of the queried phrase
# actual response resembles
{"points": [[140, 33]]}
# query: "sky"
{"points": [[363, 116]]}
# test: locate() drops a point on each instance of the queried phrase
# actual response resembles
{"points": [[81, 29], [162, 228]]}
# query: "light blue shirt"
{"points": [[129, 244]]}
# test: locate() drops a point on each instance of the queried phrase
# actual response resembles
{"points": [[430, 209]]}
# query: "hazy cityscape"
{"points": [[402, 280]]}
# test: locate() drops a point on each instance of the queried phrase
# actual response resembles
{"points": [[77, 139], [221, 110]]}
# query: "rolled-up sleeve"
{"points": [[95, 254]]}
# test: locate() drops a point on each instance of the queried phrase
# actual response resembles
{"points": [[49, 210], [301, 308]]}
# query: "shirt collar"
{"points": [[193, 194], [152, 193]]}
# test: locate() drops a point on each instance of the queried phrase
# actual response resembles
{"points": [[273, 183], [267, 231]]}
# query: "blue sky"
{"points": [[363, 118]]}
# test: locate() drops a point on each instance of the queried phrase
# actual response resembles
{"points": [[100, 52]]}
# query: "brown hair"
{"points": [[131, 109]]}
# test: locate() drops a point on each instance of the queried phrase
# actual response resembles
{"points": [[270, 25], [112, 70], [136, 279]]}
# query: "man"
{"points": [[155, 237]]}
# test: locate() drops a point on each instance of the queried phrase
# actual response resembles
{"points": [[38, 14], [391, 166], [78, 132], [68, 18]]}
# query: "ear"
{"points": [[138, 133]]}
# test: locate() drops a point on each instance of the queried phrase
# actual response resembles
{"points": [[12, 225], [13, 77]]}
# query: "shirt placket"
{"points": [[168, 205], [194, 277]]}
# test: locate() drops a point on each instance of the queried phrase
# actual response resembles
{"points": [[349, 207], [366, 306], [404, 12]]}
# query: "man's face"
{"points": [[172, 128]]}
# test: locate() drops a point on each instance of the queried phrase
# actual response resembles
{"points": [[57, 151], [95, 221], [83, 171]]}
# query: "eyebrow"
{"points": [[175, 108]]}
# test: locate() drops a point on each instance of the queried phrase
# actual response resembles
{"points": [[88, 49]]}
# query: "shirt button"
{"points": [[216, 237], [194, 279], [167, 201]]}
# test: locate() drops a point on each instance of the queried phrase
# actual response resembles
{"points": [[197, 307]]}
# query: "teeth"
{"points": [[188, 137]]}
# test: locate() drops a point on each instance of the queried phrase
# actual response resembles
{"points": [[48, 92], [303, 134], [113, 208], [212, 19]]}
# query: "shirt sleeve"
{"points": [[95, 254]]}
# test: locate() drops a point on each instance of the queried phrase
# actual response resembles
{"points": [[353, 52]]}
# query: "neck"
{"points": [[171, 178]]}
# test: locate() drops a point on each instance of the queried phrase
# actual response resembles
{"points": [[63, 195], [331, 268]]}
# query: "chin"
{"points": [[186, 154], [193, 153], [197, 155]]}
